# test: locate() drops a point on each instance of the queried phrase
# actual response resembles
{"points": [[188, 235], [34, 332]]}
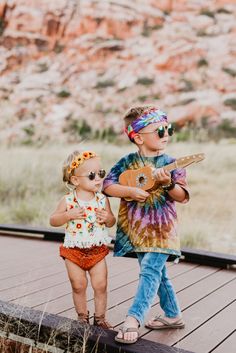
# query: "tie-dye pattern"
{"points": [[151, 116], [150, 226]]}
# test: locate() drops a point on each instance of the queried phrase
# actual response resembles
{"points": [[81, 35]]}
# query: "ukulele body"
{"points": [[141, 178]]}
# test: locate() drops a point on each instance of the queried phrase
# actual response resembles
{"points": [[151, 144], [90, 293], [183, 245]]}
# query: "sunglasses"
{"points": [[161, 130], [92, 175]]}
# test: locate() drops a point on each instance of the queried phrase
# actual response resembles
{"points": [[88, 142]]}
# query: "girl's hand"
{"points": [[162, 176], [138, 194], [102, 215], [76, 213]]}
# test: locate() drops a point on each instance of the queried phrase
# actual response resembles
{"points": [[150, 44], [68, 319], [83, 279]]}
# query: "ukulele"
{"points": [[143, 177]]}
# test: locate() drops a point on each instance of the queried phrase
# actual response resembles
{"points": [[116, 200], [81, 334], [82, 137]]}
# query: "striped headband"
{"points": [[150, 116]]}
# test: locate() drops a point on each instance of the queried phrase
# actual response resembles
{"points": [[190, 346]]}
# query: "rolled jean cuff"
{"points": [[135, 316]]}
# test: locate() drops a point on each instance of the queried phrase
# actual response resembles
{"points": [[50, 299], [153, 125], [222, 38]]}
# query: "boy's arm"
{"points": [[121, 191], [175, 185]]}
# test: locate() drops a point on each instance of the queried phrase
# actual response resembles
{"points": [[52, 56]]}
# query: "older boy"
{"points": [[147, 224]]}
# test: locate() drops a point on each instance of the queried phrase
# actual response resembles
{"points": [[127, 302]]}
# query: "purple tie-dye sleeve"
{"points": [[113, 175], [179, 177]]}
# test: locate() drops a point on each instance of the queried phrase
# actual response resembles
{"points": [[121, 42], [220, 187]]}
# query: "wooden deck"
{"points": [[33, 275]]}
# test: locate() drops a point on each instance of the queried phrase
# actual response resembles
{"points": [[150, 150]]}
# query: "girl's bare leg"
{"points": [[98, 274], [79, 282]]}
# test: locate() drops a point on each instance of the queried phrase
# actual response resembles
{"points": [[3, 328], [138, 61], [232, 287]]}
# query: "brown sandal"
{"points": [[102, 322], [83, 317]]}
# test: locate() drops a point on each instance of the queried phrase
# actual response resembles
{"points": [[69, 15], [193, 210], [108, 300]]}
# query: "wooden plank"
{"points": [[199, 312], [227, 346], [34, 286], [57, 292], [63, 301], [30, 276], [212, 332], [180, 281]]}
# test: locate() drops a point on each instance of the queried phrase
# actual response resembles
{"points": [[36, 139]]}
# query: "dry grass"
{"points": [[30, 187]]}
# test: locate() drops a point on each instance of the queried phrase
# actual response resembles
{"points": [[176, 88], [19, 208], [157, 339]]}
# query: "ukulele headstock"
{"points": [[194, 158]]}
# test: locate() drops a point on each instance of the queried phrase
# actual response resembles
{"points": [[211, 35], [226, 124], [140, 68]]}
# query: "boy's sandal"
{"points": [[125, 329], [102, 322], [179, 323]]}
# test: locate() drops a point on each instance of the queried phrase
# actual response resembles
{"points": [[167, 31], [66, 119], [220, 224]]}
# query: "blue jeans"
{"points": [[153, 280]]}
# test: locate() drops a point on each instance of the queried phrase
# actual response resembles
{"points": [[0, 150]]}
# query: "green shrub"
{"points": [[145, 81], [202, 62], [105, 84], [78, 127], [63, 94], [229, 71], [222, 10], [142, 98], [208, 13], [231, 102]]}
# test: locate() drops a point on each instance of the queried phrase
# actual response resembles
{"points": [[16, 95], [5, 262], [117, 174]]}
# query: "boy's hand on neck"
{"points": [[162, 176]]}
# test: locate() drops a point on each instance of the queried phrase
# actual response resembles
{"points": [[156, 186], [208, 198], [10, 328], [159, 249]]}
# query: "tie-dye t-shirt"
{"points": [[150, 226]]}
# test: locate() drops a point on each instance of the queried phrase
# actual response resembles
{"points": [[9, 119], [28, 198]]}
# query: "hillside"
{"points": [[67, 62]]}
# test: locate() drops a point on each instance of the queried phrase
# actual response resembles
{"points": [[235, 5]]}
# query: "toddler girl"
{"points": [[87, 214]]}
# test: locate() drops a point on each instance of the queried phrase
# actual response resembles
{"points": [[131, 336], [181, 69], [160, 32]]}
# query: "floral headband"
{"points": [[150, 116], [79, 159]]}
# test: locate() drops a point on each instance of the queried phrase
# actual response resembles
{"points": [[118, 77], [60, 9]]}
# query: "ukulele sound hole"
{"points": [[141, 180]]}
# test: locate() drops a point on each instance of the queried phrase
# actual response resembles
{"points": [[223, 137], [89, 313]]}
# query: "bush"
{"points": [[229, 71], [145, 81], [202, 62], [105, 84], [78, 127], [231, 102], [63, 94]]}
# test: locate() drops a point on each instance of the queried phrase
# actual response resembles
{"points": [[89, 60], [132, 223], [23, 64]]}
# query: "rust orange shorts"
{"points": [[85, 258]]}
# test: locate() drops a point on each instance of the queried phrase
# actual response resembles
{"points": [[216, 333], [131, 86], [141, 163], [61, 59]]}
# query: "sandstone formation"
{"points": [[67, 61]]}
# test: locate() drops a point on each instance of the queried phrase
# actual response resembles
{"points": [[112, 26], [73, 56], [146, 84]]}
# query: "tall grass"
{"points": [[31, 185]]}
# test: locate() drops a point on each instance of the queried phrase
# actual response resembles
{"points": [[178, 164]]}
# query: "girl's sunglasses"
{"points": [[92, 175], [161, 130]]}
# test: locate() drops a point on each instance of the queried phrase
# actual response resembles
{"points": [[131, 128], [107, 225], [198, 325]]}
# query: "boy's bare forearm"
{"points": [[118, 190], [178, 193]]}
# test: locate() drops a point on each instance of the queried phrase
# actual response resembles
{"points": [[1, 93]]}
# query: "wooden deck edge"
{"points": [[66, 334], [198, 256]]}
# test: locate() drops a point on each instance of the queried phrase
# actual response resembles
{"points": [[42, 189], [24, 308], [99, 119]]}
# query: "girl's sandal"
{"points": [[102, 322], [84, 318], [125, 329]]}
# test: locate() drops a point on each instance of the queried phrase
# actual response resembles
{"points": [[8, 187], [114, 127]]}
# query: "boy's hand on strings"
{"points": [[162, 176], [76, 213], [102, 215], [138, 194]]}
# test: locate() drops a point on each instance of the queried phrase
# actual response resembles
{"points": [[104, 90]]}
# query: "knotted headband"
{"points": [[150, 116]]}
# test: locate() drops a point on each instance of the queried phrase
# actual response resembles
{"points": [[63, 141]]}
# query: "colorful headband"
{"points": [[150, 116], [79, 159]]}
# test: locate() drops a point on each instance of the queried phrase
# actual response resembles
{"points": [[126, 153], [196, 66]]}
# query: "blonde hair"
{"points": [[66, 166], [134, 113], [73, 161]]}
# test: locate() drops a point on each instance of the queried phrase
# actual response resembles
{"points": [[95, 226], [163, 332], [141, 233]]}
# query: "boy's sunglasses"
{"points": [[92, 175], [161, 130]]}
